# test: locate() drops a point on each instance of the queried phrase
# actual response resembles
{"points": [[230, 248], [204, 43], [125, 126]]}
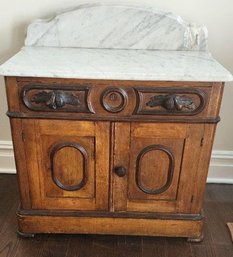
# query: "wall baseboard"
{"points": [[221, 167], [7, 161], [220, 171]]}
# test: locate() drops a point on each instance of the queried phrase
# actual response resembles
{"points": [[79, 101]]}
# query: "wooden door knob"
{"points": [[120, 171]]}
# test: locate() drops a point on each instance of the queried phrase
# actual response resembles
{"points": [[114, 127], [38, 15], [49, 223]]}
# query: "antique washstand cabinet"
{"points": [[113, 111]]}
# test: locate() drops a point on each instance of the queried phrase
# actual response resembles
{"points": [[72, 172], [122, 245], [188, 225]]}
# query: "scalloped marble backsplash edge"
{"points": [[117, 26]]}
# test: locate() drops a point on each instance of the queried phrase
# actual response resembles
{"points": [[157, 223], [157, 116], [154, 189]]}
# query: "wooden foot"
{"points": [[25, 235], [196, 239], [230, 226]]}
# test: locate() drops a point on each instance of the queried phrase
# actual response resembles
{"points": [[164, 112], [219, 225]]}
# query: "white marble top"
{"points": [[116, 64], [109, 41]]}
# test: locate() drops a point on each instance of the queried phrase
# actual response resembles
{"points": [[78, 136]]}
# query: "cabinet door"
{"points": [[68, 164], [154, 166]]}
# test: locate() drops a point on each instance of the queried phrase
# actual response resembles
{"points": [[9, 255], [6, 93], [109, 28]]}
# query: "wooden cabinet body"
{"points": [[112, 157]]}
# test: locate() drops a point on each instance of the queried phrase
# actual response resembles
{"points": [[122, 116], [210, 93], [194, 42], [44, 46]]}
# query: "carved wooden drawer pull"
{"points": [[172, 102], [55, 99]]}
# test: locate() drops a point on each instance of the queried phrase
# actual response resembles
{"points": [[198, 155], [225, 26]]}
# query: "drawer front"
{"points": [[59, 98], [170, 101], [119, 100]]}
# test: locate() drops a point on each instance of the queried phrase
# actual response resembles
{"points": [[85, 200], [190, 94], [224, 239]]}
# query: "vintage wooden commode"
{"points": [[113, 111]]}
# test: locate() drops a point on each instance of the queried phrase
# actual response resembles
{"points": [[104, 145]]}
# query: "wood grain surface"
{"points": [[131, 147], [218, 207]]}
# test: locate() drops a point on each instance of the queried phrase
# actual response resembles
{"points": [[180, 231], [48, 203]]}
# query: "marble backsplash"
{"points": [[117, 27]]}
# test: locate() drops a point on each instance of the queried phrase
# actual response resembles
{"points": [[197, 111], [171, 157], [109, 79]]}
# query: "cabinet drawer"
{"points": [[170, 101], [56, 98], [118, 100]]}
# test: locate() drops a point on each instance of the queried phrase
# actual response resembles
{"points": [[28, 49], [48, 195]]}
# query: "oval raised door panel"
{"points": [[69, 166], [154, 169]]}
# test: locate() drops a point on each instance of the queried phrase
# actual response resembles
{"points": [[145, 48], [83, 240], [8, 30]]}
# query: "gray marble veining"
{"points": [[119, 27], [116, 64]]}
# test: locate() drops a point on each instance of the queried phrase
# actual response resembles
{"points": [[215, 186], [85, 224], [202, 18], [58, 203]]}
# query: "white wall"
{"points": [[216, 15]]}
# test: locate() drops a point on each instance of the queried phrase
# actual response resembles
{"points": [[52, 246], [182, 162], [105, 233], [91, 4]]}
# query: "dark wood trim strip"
{"points": [[111, 81], [135, 215], [113, 118]]}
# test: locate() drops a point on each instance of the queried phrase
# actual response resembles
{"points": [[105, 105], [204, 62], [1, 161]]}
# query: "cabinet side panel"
{"points": [[21, 164], [18, 142], [30, 130], [190, 163], [12, 94], [203, 166], [215, 99]]}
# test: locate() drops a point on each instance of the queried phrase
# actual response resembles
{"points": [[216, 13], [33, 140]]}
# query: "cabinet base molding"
{"points": [[141, 215], [196, 239], [29, 224], [25, 235]]}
